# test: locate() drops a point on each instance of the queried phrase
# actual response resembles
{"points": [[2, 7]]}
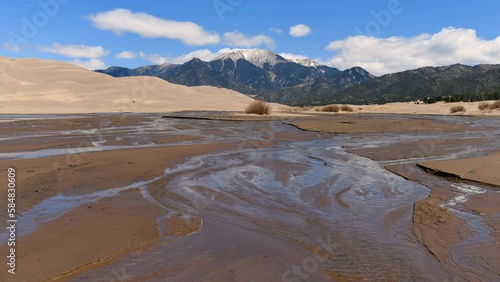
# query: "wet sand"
{"points": [[455, 211], [355, 124], [214, 200], [86, 237], [483, 169]]}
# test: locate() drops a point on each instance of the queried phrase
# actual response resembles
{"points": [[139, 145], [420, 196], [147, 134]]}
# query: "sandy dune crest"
{"points": [[44, 86]]}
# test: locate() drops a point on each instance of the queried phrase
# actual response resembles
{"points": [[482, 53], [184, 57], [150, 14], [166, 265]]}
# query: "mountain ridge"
{"points": [[254, 72], [412, 85], [263, 74]]}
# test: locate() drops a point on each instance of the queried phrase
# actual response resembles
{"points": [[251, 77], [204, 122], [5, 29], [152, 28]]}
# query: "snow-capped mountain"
{"points": [[306, 62], [258, 57]]}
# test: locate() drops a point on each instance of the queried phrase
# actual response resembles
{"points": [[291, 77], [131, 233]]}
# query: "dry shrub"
{"points": [[491, 106], [346, 108], [258, 107], [495, 105], [457, 109], [483, 106], [330, 108]]}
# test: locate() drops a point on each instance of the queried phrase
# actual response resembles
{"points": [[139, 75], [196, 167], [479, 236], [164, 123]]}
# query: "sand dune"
{"points": [[43, 86]]}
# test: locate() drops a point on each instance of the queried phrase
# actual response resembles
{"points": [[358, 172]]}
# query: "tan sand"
{"points": [[436, 227], [483, 169], [372, 124], [96, 232], [440, 108], [43, 86]]}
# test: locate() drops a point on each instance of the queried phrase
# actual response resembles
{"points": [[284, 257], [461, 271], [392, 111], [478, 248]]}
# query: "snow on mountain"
{"points": [[257, 57], [306, 62], [260, 57]]}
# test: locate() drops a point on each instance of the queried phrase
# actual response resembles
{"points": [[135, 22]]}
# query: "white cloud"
{"points": [[238, 39], [276, 30], [75, 51], [300, 30], [91, 64], [154, 58], [202, 54], [11, 47], [126, 55], [121, 21], [386, 55]]}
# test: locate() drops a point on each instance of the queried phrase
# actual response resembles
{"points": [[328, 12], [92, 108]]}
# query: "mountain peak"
{"points": [[306, 62], [258, 57]]}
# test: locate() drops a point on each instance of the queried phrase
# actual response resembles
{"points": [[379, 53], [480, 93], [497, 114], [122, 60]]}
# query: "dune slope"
{"points": [[44, 86]]}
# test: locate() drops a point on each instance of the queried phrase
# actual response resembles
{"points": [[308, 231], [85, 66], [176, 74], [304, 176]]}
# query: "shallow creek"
{"points": [[351, 215]]}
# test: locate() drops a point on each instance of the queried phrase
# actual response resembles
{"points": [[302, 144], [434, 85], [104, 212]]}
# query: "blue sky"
{"points": [[380, 35]]}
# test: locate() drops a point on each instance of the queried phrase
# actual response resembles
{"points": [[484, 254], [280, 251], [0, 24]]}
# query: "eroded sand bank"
{"points": [[483, 169]]}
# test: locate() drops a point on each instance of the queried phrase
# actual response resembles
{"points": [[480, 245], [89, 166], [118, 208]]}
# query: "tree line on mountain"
{"points": [[473, 97]]}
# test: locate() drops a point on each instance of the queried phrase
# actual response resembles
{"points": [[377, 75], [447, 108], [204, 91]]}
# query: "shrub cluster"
{"points": [[330, 108], [457, 109], [258, 107], [346, 108], [483, 106], [489, 106]]}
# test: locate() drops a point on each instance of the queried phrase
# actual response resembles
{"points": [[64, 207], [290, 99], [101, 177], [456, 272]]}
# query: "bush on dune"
{"points": [[457, 109], [483, 106], [495, 105], [330, 109], [346, 108], [489, 106], [258, 107]]}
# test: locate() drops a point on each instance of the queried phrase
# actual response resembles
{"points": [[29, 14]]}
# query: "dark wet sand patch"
{"points": [[372, 124]]}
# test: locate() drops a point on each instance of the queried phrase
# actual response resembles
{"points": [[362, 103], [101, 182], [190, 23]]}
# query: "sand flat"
{"points": [[88, 236], [483, 169], [354, 124]]}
